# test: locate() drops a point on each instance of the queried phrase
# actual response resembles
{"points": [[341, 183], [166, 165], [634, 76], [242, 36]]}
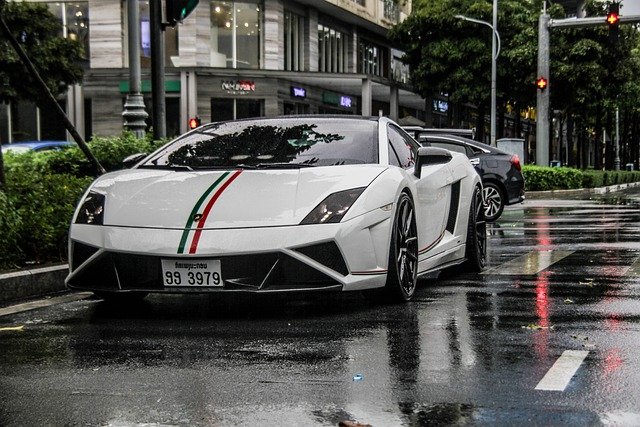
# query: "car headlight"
{"points": [[333, 208], [91, 210]]}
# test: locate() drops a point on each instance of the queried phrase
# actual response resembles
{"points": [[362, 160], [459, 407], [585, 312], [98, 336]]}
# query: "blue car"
{"points": [[23, 147]]}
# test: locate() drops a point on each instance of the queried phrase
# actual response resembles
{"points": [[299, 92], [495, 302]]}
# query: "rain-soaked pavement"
{"points": [[562, 287]]}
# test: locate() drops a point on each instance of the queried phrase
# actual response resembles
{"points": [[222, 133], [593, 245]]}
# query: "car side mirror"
{"points": [[131, 160], [431, 156]]}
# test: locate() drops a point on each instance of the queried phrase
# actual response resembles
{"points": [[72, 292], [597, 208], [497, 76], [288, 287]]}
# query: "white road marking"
{"points": [[558, 377], [529, 263], [634, 270], [32, 305]]}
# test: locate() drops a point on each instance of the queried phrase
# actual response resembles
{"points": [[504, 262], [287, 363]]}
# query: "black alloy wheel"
{"points": [[493, 201], [402, 274], [476, 250]]}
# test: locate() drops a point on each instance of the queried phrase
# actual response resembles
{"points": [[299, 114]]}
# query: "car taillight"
{"points": [[515, 161]]}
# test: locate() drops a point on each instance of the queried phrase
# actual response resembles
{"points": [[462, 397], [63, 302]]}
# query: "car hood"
{"points": [[223, 199]]}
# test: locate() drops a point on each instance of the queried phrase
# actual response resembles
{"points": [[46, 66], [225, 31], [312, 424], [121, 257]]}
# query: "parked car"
{"points": [[23, 147], [277, 205], [501, 172]]}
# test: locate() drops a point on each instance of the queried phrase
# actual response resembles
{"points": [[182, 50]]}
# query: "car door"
{"points": [[433, 190]]}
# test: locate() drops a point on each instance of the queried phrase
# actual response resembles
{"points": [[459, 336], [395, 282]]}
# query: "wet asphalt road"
{"points": [[469, 350]]}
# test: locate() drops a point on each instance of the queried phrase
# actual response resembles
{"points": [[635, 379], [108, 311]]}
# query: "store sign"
{"points": [[239, 86], [440, 106], [335, 99], [298, 92]]}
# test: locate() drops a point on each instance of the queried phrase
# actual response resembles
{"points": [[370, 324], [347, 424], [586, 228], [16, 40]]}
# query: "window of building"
{"points": [[373, 58], [391, 10], [294, 53], [236, 34], [74, 17], [229, 109], [332, 50], [170, 39]]}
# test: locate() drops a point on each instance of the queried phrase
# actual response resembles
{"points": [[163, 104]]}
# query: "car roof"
{"points": [[470, 142], [38, 144]]}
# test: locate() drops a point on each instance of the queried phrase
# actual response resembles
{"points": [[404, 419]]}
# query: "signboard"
{"points": [[335, 99], [298, 92], [238, 86]]}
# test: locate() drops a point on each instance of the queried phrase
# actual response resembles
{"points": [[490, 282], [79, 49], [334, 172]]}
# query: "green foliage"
{"points": [[57, 59], [539, 178], [41, 193], [10, 226]]}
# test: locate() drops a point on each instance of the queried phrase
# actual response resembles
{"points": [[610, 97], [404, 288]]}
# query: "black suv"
{"points": [[500, 171]]}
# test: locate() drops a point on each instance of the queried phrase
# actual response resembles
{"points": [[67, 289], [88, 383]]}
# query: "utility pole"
{"points": [[543, 104], [134, 113], [157, 71], [494, 73]]}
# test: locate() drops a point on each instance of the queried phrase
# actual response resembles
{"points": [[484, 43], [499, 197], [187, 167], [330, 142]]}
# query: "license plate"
{"points": [[192, 273]]}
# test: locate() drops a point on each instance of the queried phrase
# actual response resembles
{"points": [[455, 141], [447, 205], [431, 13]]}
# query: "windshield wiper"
{"points": [[167, 167]]}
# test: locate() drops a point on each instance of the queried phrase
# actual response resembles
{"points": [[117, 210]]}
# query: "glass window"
{"points": [[236, 34], [449, 146], [74, 17], [294, 54], [404, 147], [332, 50], [170, 39], [372, 58], [229, 109], [393, 156], [277, 143]]}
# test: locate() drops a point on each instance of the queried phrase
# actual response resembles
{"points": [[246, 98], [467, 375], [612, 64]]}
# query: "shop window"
{"points": [[51, 127], [293, 108], [294, 53], [170, 40], [88, 119], [74, 17], [229, 109], [236, 34], [172, 114], [332, 50], [24, 121]]}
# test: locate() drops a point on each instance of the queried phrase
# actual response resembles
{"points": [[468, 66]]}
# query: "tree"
{"points": [[56, 58]]}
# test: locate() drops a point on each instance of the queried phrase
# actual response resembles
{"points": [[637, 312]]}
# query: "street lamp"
{"points": [[495, 52]]}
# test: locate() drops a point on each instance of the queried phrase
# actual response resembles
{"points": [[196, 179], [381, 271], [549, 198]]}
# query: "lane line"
{"points": [[32, 305], [560, 374], [634, 270], [530, 263]]}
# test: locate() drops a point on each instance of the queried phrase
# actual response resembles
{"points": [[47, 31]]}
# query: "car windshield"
{"points": [[273, 143]]}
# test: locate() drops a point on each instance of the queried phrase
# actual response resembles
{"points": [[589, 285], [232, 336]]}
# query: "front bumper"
{"points": [[345, 256]]}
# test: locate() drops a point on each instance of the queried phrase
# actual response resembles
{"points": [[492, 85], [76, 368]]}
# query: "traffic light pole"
{"points": [[545, 24], [159, 121]]}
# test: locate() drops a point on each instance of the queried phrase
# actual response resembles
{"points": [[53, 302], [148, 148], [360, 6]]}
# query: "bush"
{"points": [[538, 178], [10, 225]]}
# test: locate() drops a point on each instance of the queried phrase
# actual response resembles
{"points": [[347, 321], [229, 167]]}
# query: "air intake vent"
{"points": [[326, 254], [453, 207], [81, 253]]}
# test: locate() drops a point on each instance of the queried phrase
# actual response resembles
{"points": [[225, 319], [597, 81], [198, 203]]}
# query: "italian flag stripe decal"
{"points": [[222, 184]]}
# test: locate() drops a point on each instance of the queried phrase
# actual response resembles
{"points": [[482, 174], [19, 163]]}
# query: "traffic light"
{"points": [[194, 122], [541, 83], [613, 21], [177, 10]]}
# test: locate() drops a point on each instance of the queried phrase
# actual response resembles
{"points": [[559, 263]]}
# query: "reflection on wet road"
{"points": [[563, 277]]}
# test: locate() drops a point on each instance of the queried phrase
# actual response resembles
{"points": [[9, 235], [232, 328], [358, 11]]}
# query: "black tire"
{"points": [[120, 297], [402, 274], [476, 247], [494, 201]]}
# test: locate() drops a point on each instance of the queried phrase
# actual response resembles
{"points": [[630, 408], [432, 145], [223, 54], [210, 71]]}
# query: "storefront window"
{"points": [[170, 40], [236, 34], [294, 54], [74, 17], [229, 109], [332, 50]]}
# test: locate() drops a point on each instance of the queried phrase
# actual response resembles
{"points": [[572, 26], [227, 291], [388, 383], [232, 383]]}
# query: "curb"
{"points": [[536, 195], [32, 283]]}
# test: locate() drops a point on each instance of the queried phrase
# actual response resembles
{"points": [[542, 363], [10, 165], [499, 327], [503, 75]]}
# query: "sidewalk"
{"points": [[38, 282]]}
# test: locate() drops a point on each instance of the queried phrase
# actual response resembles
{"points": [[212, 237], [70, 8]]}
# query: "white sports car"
{"points": [[280, 204]]}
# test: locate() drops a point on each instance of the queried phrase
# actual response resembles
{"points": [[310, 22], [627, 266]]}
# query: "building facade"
{"points": [[230, 60]]}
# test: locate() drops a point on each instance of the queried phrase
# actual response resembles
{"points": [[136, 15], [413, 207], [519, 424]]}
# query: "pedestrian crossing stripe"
{"points": [[529, 264]]}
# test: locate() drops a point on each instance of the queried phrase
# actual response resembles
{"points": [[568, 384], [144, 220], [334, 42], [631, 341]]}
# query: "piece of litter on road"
{"points": [[580, 337], [589, 346], [534, 327], [358, 377], [568, 301], [12, 328]]}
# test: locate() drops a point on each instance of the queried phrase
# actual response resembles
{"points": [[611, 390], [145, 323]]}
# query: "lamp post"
{"points": [[495, 52]]}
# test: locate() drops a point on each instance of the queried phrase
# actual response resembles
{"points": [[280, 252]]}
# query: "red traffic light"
{"points": [[542, 83], [613, 18], [194, 122]]}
